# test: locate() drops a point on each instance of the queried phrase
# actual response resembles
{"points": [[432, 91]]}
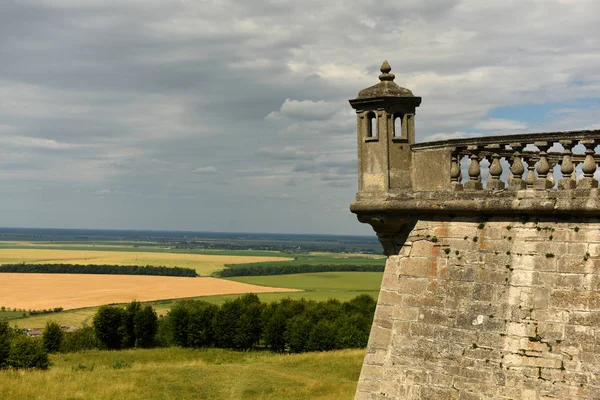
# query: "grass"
{"points": [[329, 282], [176, 373], [317, 286], [10, 314], [204, 264]]}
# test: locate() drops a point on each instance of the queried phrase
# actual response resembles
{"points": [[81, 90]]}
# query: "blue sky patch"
{"points": [[533, 113]]}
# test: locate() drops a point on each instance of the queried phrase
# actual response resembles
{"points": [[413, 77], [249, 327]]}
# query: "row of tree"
{"points": [[257, 270], [284, 326], [242, 324], [98, 269]]}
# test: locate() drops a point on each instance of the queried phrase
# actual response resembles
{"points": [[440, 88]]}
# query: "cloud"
{"points": [[206, 170], [498, 124], [304, 110], [36, 143], [285, 153], [151, 95]]}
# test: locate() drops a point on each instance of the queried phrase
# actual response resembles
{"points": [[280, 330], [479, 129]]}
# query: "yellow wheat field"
{"points": [[204, 264], [42, 291]]}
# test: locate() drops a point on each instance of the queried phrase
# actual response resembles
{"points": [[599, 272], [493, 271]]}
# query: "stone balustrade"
{"points": [[540, 161]]}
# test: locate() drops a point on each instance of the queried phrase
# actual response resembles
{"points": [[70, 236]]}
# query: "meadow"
{"points": [[176, 373]]}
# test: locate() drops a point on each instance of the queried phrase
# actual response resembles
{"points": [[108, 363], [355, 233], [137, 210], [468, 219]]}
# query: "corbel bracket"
{"points": [[391, 231]]}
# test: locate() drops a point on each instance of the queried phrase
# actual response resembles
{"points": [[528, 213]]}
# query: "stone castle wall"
{"points": [[488, 310]]}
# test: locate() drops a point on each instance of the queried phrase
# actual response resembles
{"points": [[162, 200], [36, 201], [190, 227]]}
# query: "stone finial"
{"points": [[385, 72], [387, 87]]}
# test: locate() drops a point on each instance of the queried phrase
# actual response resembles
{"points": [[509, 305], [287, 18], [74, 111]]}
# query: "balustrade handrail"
{"points": [[526, 138]]}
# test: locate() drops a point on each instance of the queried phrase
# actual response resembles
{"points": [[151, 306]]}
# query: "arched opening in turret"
{"points": [[398, 125], [371, 128]]}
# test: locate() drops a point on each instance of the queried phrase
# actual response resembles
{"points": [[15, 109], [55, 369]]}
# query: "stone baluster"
{"points": [[455, 172], [566, 167], [474, 171], [543, 167], [530, 178], [517, 169], [494, 182], [589, 166]]}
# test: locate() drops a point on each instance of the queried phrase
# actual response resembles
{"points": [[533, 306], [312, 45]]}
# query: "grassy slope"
{"points": [[176, 373], [318, 286]]}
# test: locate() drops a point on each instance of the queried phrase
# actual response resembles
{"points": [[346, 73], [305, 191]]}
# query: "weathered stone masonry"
{"points": [[492, 285]]}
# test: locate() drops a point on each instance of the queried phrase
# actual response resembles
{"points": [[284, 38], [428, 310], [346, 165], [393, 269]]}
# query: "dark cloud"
{"points": [[231, 115]]}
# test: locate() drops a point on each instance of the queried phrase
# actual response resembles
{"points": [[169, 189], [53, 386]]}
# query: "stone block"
{"points": [[424, 248], [424, 267], [412, 285]]}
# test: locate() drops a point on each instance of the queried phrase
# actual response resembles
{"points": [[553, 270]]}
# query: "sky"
{"points": [[233, 115]]}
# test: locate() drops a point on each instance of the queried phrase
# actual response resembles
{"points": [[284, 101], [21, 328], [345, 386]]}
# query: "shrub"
{"points": [[52, 337], [82, 339], [27, 352]]}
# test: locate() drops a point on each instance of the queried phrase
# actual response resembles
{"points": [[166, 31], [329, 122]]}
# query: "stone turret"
{"points": [[386, 129]]}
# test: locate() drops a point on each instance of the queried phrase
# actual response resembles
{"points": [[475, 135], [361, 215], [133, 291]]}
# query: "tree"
{"points": [[178, 322], [128, 326], [201, 331], [145, 325], [5, 335], [225, 323], [352, 331], [52, 337], [26, 352], [322, 337], [274, 328], [297, 331], [248, 327], [107, 325]]}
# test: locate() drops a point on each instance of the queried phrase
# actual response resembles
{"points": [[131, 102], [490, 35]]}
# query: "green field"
{"points": [[322, 259], [323, 285], [11, 314], [175, 373], [318, 286]]}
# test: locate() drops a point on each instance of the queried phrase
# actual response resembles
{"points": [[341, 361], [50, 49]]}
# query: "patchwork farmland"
{"points": [[204, 264], [41, 291]]}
